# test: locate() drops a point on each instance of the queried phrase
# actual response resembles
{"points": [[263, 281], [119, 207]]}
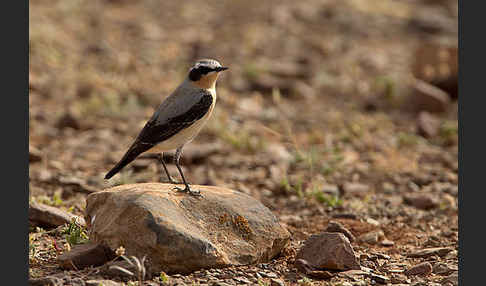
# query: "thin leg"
{"points": [[176, 161], [161, 159]]}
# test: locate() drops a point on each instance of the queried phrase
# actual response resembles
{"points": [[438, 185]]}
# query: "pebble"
{"points": [[427, 252], [276, 282], [380, 278], [372, 237], [386, 242], [422, 269], [421, 201], [334, 226]]}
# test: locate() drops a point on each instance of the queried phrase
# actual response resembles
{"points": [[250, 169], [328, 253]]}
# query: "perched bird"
{"points": [[178, 119]]}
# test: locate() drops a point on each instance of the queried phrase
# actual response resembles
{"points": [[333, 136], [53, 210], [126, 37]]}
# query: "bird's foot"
{"points": [[170, 181], [188, 190]]}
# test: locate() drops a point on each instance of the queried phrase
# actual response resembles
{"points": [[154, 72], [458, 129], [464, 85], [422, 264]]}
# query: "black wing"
{"points": [[154, 132]]}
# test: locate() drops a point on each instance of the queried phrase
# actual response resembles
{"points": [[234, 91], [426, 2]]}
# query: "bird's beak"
{"points": [[221, 69]]}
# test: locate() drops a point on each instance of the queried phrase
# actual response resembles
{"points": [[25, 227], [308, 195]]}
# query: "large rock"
{"points": [[329, 250], [182, 233]]}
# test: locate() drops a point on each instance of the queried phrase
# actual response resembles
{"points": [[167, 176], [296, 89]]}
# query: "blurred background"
{"points": [[329, 105]]}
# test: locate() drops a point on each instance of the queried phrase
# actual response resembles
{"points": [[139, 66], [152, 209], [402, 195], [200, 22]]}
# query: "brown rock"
{"points": [[35, 155], [451, 280], [304, 267], [47, 216], [335, 226], [421, 269], [427, 124], [437, 64], [386, 242], [421, 201], [45, 281], [68, 120], [372, 237], [102, 282], [428, 97], [443, 269], [276, 282], [329, 250], [426, 252], [349, 187], [380, 278], [84, 255], [182, 233]]}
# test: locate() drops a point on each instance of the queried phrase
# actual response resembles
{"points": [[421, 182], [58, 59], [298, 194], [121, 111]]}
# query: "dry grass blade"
{"points": [[122, 270]]}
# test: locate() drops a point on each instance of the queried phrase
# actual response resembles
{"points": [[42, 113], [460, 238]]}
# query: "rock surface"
{"points": [[182, 233], [329, 250]]}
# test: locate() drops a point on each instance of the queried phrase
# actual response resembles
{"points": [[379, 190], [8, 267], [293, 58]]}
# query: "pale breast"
{"points": [[186, 135]]}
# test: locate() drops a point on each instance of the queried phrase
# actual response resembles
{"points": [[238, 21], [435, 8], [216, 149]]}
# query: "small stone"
{"points": [[48, 216], [320, 274], [388, 188], [372, 221], [68, 120], [35, 155], [329, 250], [219, 283], [335, 226], [345, 215], [427, 97], [437, 64], [270, 275], [76, 282], [372, 237], [331, 190], [242, 280], [442, 269], [380, 278], [452, 279], [427, 124], [427, 252], [350, 188], [352, 273], [49, 280], [84, 255], [102, 282], [421, 269], [421, 201], [276, 282], [386, 242]]}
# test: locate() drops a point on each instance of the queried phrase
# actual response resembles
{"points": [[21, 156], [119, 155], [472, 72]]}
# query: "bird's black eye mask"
{"points": [[197, 72]]}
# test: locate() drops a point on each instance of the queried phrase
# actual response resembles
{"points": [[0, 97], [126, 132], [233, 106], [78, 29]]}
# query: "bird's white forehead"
{"points": [[207, 62]]}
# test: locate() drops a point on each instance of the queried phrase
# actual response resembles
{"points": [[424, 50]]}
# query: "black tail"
{"points": [[136, 149]]}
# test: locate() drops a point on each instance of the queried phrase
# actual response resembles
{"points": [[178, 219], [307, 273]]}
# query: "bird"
{"points": [[178, 119]]}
